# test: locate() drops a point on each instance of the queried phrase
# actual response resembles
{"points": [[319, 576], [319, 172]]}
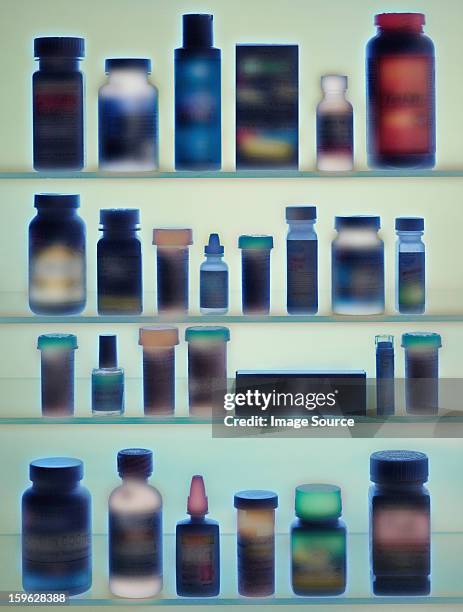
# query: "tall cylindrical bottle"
{"points": [[385, 384], [410, 265]]}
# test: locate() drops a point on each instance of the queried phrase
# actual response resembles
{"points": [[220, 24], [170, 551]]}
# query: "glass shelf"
{"points": [[239, 174], [446, 585]]}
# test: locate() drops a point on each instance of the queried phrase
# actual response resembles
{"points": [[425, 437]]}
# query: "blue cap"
{"points": [[135, 462], [421, 340], [357, 221], [127, 63], [256, 500], [56, 200], [56, 470], [398, 467], [207, 333], [59, 46], [255, 241], [120, 218], [301, 213], [197, 30], [409, 224], [57, 341], [214, 247]]}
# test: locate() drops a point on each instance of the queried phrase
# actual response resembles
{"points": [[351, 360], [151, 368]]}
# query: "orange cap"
{"points": [[158, 336], [172, 237]]}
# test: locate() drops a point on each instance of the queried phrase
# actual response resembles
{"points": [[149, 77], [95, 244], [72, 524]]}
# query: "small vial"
{"points": [[207, 368], [301, 260], [421, 372], [385, 387], [56, 528], [135, 528], [198, 547], [57, 373], [357, 266], [58, 104], [400, 533], [119, 262], [255, 273], [172, 268], [335, 126], [213, 281], [256, 542], [128, 117], [410, 265], [108, 380], [318, 542], [158, 342]]}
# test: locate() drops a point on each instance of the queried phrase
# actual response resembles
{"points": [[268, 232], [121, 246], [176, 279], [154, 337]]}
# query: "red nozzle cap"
{"points": [[400, 21], [197, 500]]}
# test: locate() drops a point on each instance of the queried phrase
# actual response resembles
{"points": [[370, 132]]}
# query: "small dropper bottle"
{"points": [[108, 380], [213, 280]]}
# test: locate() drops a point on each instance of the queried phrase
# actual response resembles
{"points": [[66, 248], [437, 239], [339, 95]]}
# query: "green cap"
{"points": [[57, 341], [255, 241], [418, 340], [318, 502], [206, 333]]}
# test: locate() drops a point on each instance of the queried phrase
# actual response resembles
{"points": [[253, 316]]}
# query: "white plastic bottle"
{"points": [[335, 139]]}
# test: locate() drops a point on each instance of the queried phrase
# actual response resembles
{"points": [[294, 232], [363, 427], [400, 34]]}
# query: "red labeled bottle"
{"points": [[401, 93]]}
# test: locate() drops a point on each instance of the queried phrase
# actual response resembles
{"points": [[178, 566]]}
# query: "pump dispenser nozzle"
{"points": [[197, 499]]}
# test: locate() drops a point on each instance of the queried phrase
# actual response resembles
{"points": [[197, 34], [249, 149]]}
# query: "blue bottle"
{"points": [[198, 142], [213, 280], [198, 547], [108, 380], [410, 265], [385, 401]]}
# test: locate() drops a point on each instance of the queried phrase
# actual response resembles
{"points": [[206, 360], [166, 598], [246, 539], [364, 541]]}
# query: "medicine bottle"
{"points": [[357, 266], [128, 117], [56, 528], [400, 536], [301, 260], [401, 125], [57, 373], [58, 104], [158, 342], [107, 380], [207, 368], [335, 126], [119, 262], [256, 542], [172, 268], [57, 274], [385, 382], [421, 372], [135, 528], [410, 265], [318, 542], [213, 281], [255, 273]]}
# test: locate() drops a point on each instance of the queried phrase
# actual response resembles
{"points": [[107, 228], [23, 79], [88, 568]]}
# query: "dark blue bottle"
{"points": [[56, 528], [198, 547], [385, 401], [198, 141]]}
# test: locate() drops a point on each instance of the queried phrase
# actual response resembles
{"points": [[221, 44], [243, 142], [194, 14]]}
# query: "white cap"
{"points": [[334, 82]]}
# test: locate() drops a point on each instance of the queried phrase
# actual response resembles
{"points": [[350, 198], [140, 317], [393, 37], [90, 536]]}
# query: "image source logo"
{"points": [[259, 400]]}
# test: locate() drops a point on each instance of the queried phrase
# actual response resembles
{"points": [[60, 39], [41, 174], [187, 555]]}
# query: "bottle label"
{"points": [[119, 282], [108, 392], [135, 544], [214, 289], [41, 546], [197, 568], [335, 133], [358, 275], [57, 275], [302, 276], [411, 280], [256, 564], [405, 101]]}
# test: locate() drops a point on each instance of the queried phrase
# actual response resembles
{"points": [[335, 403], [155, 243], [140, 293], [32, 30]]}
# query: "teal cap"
{"points": [[318, 502], [418, 340], [255, 241], [207, 333], [57, 341]]}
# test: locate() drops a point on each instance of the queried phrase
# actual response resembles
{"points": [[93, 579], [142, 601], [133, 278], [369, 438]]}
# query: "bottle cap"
{"points": [[256, 500], [334, 82], [400, 21], [418, 340], [384, 342], [158, 336], [57, 341], [398, 467], [108, 351], [409, 224], [318, 502], [135, 462], [59, 46], [197, 30], [255, 242], [357, 221], [56, 200], [214, 247], [301, 213], [56, 470], [197, 499], [119, 219], [207, 333], [127, 63], [172, 237]]}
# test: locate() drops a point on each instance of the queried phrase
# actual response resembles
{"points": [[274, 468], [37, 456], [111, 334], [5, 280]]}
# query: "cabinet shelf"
{"points": [[445, 579]]}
